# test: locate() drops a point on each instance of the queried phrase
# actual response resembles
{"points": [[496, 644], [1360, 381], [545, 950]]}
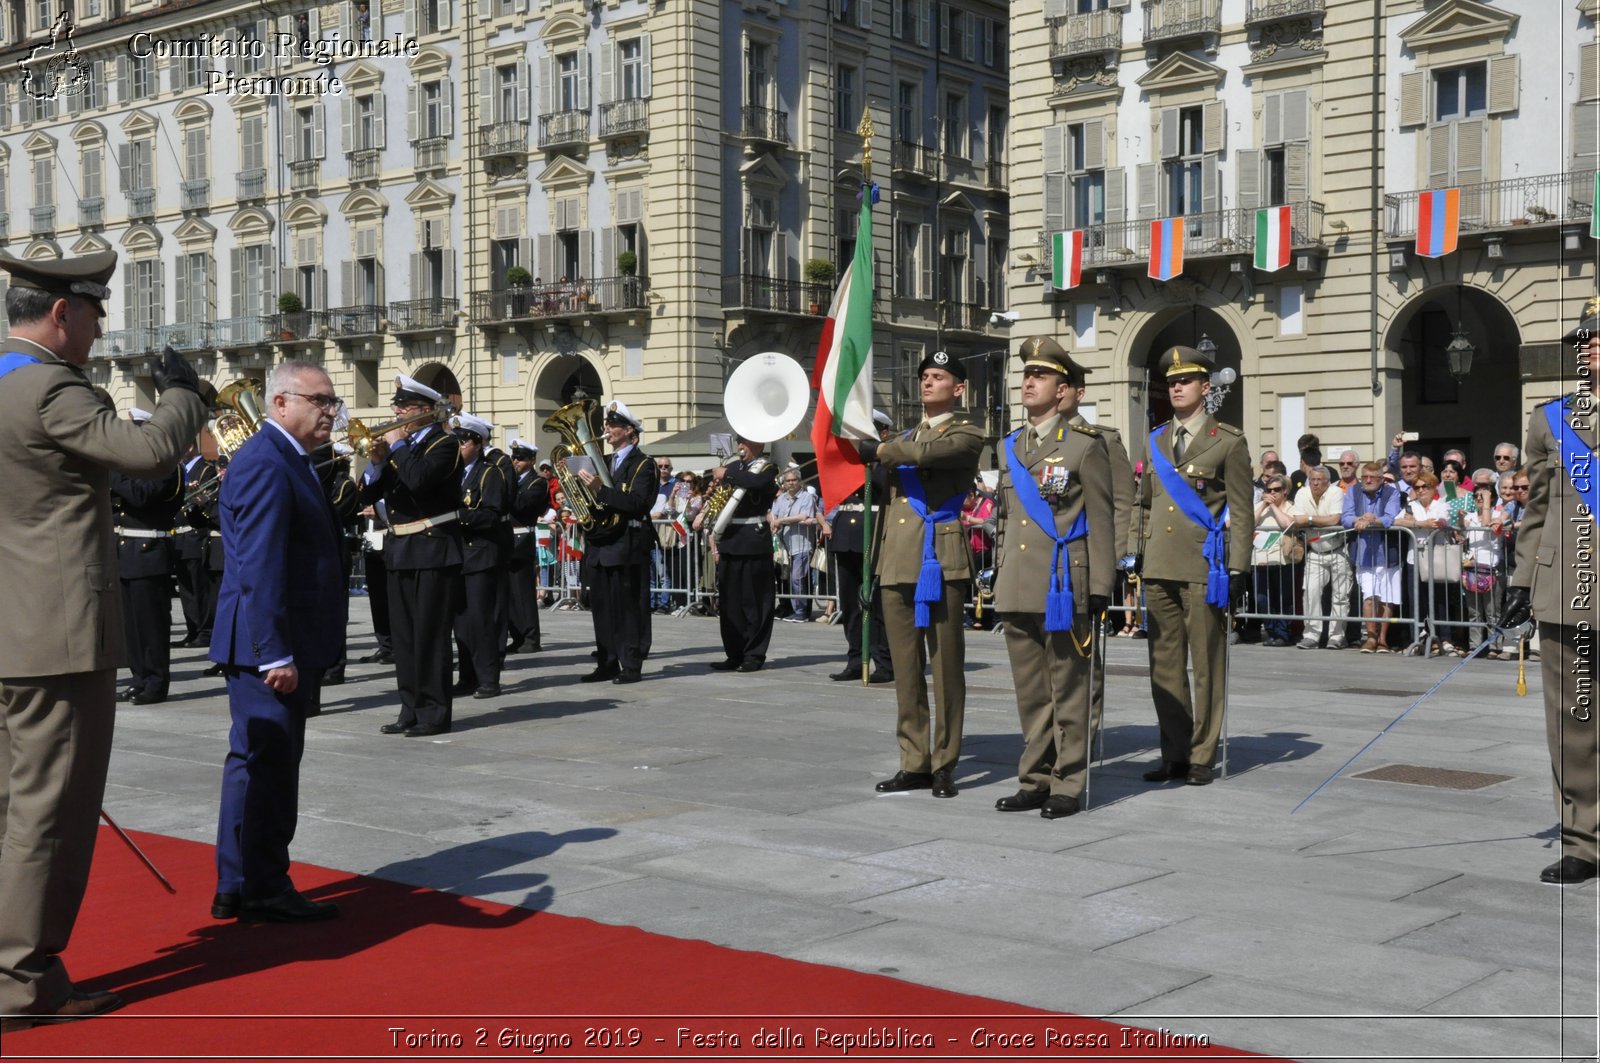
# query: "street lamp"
{"points": [[1221, 380], [1458, 353]]}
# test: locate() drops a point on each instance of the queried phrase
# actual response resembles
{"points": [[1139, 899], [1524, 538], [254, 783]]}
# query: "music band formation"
{"points": [[261, 546]]}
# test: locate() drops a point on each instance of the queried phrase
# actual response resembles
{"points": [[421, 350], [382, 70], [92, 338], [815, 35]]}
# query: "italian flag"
{"points": [[1066, 259], [843, 375], [1272, 238], [1594, 216]]}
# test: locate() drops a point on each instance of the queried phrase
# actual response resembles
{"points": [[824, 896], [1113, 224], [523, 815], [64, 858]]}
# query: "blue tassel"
{"points": [[1217, 588], [1058, 610], [930, 589]]}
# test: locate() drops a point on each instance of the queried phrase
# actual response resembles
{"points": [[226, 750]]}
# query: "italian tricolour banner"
{"points": [[1272, 238], [843, 375], [1594, 216], [1438, 222], [1066, 259]]}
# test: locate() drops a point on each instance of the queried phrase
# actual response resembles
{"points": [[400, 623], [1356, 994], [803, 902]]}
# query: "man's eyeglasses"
{"points": [[325, 403]]}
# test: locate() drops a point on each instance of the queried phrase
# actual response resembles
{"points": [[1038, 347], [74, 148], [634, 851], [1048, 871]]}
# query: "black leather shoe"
{"points": [[1199, 775], [880, 677], [533, 647], [1165, 771], [377, 657], [147, 697], [628, 675], [1568, 871], [334, 678], [729, 665], [1059, 806], [213, 671], [460, 689], [394, 728], [127, 693], [846, 674], [225, 906], [905, 780], [752, 666], [427, 730], [943, 784], [1022, 801], [599, 675], [79, 1005], [483, 693], [290, 906]]}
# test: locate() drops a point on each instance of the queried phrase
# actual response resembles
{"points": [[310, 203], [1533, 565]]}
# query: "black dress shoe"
{"points": [[880, 677], [460, 689], [905, 780], [846, 674], [225, 906], [943, 785], [427, 730], [214, 670], [599, 675], [729, 665], [394, 728], [628, 675], [483, 693], [533, 647], [1022, 801], [752, 666], [148, 697], [290, 906], [1199, 775], [127, 693], [1567, 871], [1165, 771], [334, 678], [1059, 806], [79, 1005], [376, 657]]}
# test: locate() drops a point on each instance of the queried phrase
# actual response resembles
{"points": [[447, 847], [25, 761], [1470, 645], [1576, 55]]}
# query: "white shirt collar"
{"points": [[292, 440]]}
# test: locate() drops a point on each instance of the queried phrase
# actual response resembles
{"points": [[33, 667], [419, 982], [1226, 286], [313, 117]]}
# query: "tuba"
{"points": [[765, 399], [578, 423]]}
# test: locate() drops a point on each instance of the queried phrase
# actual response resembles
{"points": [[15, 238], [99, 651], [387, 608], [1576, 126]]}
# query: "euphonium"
{"points": [[579, 424], [237, 416]]}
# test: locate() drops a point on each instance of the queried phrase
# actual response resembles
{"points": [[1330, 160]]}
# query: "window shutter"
{"points": [[124, 91], [378, 283], [547, 86], [314, 23], [1439, 156], [585, 253], [926, 257], [125, 166], [524, 92], [924, 22], [608, 73], [1169, 133], [979, 288], [413, 95], [1055, 202], [1589, 73], [1215, 120], [547, 258], [968, 36], [208, 309], [447, 260], [1413, 98], [236, 282], [379, 136], [1211, 185], [319, 135], [444, 15], [1505, 83], [1471, 137], [419, 286], [375, 18], [269, 287], [485, 10], [347, 130], [181, 303], [1145, 176], [158, 308], [408, 17], [644, 68], [864, 14], [130, 305], [1586, 136], [1247, 175], [348, 269], [1055, 149], [1116, 196], [347, 20], [1272, 120], [1094, 144], [1296, 115], [897, 27], [486, 98], [322, 289], [608, 251], [447, 107], [1297, 172], [585, 71]]}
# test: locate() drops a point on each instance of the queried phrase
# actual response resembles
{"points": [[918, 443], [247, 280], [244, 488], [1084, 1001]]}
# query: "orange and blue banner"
{"points": [[1438, 222], [1166, 248]]}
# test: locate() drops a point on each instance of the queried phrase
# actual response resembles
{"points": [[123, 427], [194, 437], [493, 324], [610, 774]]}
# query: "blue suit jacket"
{"points": [[283, 590]]}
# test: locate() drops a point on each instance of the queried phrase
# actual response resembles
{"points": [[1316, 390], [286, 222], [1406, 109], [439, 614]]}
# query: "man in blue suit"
{"points": [[280, 618]]}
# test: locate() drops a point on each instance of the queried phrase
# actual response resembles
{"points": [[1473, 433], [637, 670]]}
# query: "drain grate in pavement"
{"points": [[1376, 692], [1444, 778]]}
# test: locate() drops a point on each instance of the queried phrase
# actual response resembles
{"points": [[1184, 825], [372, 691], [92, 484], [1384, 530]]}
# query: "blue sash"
{"points": [[930, 580], [10, 363], [1189, 504], [1575, 456], [1058, 605]]}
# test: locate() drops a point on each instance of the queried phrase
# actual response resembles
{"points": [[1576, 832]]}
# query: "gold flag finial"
{"points": [[1592, 307], [866, 131]]}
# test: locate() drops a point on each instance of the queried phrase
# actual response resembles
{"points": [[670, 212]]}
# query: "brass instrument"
{"points": [[579, 423], [1522, 667], [765, 399], [236, 417], [361, 437]]}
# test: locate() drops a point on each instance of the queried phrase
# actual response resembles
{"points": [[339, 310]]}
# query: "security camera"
{"points": [[1005, 317]]}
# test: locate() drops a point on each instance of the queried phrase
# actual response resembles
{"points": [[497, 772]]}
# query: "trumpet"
{"points": [[361, 437]]}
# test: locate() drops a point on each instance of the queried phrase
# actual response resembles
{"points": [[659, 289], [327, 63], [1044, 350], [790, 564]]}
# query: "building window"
{"points": [[567, 82], [955, 125], [194, 289], [306, 133], [44, 182], [364, 128], [907, 266], [94, 180], [41, 109], [845, 226], [249, 45], [1184, 172], [136, 173], [197, 153], [194, 71], [252, 148], [1460, 92], [908, 118], [144, 294], [432, 110], [250, 281], [757, 74], [506, 80], [1087, 186], [844, 98], [141, 76], [631, 55]]}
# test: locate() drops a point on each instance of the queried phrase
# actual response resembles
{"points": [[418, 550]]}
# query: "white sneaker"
{"points": [[1308, 644], [1335, 645]]}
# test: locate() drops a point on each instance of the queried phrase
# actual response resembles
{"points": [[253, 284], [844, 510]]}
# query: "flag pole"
{"points": [[868, 554]]}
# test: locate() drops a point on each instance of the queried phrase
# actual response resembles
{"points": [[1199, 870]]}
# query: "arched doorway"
{"points": [[559, 383], [1186, 327], [1454, 410], [437, 375]]}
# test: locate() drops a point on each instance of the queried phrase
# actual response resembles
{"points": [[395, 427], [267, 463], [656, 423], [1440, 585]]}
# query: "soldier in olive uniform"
{"points": [[845, 532], [146, 510], [1193, 565], [924, 568], [485, 505], [1055, 565], [1555, 579], [745, 579]]}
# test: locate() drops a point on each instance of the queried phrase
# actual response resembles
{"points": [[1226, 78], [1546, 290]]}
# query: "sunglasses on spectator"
{"points": [[1503, 457]]}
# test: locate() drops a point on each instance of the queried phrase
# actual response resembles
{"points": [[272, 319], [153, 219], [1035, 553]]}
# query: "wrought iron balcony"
{"points": [[963, 171], [1167, 21], [964, 317], [132, 342], [423, 315], [92, 211], [579, 298], [624, 118], [503, 138], [141, 204], [1259, 12], [773, 295], [1213, 235], [250, 330], [42, 221], [251, 185], [365, 164], [912, 160], [999, 174], [99, 349], [1546, 199], [563, 129], [431, 153], [1089, 33], [301, 326], [765, 124], [196, 194], [305, 175], [347, 322], [190, 336]]}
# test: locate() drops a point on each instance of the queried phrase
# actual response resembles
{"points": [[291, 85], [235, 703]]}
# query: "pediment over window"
{"points": [[39, 144], [141, 239], [195, 231], [428, 61], [305, 212], [1180, 71], [251, 221], [957, 201], [429, 195], [89, 133], [1457, 21], [138, 124], [195, 111], [90, 244], [41, 250], [364, 203], [565, 172], [764, 169], [563, 27]]}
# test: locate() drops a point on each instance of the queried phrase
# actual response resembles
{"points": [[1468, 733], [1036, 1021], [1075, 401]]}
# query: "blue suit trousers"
{"points": [[261, 782]]}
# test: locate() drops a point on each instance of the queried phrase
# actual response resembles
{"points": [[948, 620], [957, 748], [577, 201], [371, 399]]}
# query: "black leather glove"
{"points": [[1238, 586], [869, 449], [172, 370], [1098, 603], [1517, 609], [1132, 564]]}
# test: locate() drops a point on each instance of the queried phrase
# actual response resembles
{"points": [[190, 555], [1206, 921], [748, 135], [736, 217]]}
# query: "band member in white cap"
{"points": [[416, 472], [485, 505], [531, 498], [617, 559], [146, 512], [744, 561]]}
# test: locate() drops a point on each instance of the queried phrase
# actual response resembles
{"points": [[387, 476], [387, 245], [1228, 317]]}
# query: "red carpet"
{"points": [[461, 978]]}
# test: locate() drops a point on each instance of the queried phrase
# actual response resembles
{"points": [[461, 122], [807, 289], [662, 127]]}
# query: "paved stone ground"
{"points": [[1383, 921]]}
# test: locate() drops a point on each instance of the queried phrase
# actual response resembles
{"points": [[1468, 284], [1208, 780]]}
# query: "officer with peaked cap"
{"points": [[844, 531], [1055, 564], [1193, 561], [416, 473], [58, 665], [924, 567], [616, 558], [1555, 581], [485, 505], [530, 499]]}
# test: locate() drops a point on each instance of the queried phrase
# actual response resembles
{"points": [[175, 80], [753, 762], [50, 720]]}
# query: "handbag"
{"points": [[780, 553], [819, 561], [1293, 548], [1478, 579], [1441, 562]]}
